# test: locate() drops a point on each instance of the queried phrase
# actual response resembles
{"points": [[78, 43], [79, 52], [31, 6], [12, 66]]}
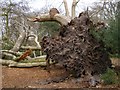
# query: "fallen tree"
{"points": [[22, 60], [75, 47]]}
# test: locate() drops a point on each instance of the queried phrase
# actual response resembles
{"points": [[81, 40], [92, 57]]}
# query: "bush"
{"points": [[110, 37], [110, 77], [7, 44]]}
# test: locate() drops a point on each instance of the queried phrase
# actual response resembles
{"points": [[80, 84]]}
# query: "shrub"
{"points": [[110, 77]]}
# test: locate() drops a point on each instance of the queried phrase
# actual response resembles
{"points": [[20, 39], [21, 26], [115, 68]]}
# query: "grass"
{"points": [[110, 77]]}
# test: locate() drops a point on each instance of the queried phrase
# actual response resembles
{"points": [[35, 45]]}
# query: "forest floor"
{"points": [[30, 78]]}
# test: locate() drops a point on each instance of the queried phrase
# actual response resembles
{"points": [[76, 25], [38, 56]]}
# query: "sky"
{"points": [[81, 6], [38, 4]]}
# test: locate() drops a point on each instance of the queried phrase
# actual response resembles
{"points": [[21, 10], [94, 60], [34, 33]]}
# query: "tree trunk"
{"points": [[19, 41], [63, 20], [11, 63], [74, 3], [66, 8]]}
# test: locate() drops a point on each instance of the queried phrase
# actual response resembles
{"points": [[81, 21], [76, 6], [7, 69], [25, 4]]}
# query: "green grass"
{"points": [[110, 77]]}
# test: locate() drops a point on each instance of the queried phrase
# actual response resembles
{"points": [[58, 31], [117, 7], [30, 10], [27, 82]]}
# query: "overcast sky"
{"points": [[38, 4], [81, 6]]}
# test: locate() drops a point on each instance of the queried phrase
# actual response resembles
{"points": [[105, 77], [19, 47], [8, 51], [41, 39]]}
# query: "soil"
{"points": [[31, 78]]}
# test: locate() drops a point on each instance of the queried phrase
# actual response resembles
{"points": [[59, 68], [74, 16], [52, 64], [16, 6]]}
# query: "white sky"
{"points": [[38, 4], [81, 6]]}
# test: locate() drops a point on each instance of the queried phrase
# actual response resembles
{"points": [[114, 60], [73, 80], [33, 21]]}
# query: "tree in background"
{"points": [[111, 35], [109, 13], [10, 11]]}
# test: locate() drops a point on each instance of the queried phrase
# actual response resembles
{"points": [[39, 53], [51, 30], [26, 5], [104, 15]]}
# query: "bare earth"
{"points": [[30, 78]]}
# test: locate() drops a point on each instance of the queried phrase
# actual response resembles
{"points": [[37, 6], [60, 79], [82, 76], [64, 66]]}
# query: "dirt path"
{"points": [[30, 78]]}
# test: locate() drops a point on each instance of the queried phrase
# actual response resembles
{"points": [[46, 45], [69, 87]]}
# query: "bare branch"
{"points": [[36, 39], [19, 41], [12, 52], [66, 8], [37, 42], [74, 3], [63, 20], [40, 57], [7, 62], [9, 55], [28, 64], [30, 47], [11, 63], [24, 55]]}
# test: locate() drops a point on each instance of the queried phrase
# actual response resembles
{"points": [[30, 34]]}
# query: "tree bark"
{"points": [[19, 41], [40, 57], [9, 55], [11, 63], [25, 65], [66, 8], [74, 3], [63, 20], [12, 52], [30, 47], [36, 41]]}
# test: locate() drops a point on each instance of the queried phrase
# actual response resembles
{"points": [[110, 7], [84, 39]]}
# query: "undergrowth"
{"points": [[110, 77]]}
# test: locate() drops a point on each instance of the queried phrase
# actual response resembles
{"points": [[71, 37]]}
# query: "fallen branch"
{"points": [[9, 55], [24, 55], [36, 39], [40, 57], [36, 59], [13, 54], [19, 41], [30, 47], [7, 62], [27, 64], [11, 63]]}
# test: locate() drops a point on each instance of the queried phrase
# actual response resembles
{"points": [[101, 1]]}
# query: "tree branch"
{"points": [[36, 39], [11, 63], [12, 52], [40, 57], [30, 47], [66, 8], [74, 3], [9, 55], [37, 42], [63, 20], [19, 41]]}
